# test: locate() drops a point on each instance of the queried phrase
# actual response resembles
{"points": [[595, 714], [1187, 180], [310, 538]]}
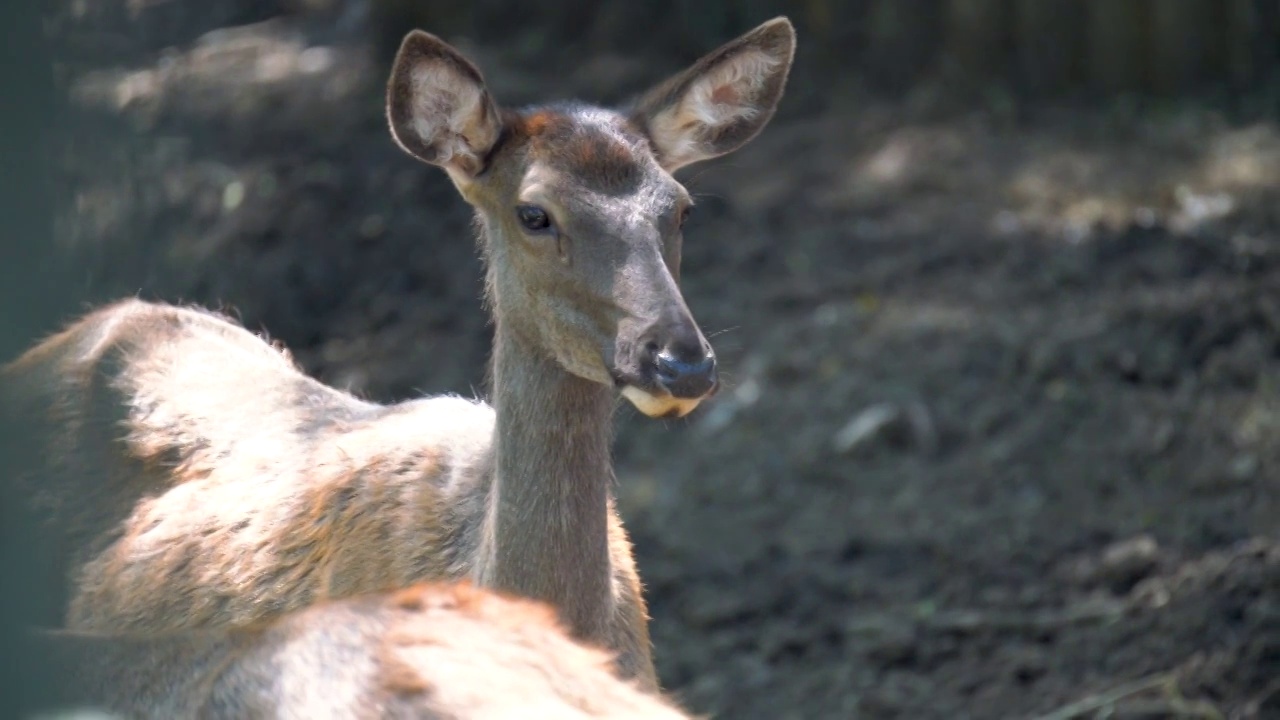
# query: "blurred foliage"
{"points": [[1037, 47], [1034, 48], [119, 30]]}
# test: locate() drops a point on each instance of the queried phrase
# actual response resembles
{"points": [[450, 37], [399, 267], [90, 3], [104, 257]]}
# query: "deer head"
{"points": [[580, 214]]}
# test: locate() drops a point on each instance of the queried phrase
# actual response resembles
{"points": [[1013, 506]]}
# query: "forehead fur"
{"points": [[598, 146]]}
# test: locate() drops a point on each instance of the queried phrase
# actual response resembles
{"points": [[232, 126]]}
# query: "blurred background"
{"points": [[997, 297]]}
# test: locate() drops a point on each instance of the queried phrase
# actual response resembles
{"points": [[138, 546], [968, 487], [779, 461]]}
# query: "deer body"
{"points": [[203, 481], [238, 496]]}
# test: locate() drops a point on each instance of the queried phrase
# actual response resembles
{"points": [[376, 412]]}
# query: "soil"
{"points": [[1002, 382]]}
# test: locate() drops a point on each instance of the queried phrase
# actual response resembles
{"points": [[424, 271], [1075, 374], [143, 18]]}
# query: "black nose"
{"points": [[684, 378]]}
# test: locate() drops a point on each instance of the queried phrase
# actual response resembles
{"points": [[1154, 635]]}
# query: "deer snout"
{"points": [[686, 373], [674, 369]]}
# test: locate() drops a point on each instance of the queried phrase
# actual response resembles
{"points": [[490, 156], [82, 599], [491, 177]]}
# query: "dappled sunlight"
{"points": [[1243, 159], [912, 158], [1067, 192], [237, 70], [1068, 177], [241, 150], [1177, 174]]}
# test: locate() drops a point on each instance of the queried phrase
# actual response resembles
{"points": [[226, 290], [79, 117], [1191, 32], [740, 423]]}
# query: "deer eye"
{"points": [[533, 218]]}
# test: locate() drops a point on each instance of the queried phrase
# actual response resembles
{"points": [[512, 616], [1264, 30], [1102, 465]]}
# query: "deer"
{"points": [[199, 479], [436, 651]]}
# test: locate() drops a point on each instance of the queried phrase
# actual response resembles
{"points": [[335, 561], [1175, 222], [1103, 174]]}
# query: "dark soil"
{"points": [[1003, 387]]}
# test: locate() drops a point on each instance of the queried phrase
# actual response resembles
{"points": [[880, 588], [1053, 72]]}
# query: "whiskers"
{"points": [[718, 333], [726, 347]]}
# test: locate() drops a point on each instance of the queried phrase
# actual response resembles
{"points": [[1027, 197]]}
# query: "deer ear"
{"points": [[438, 107], [720, 102]]}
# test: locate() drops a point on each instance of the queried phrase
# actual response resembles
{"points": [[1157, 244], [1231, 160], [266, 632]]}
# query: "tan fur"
{"points": [[200, 480], [255, 490], [259, 490], [450, 652]]}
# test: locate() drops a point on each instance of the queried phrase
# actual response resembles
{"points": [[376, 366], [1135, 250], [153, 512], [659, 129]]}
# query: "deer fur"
{"points": [[200, 479], [435, 652]]}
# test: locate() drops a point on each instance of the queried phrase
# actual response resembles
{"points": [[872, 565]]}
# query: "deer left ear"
{"points": [[722, 101], [438, 107]]}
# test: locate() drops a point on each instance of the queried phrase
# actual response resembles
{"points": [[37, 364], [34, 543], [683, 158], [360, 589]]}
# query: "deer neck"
{"points": [[547, 533]]}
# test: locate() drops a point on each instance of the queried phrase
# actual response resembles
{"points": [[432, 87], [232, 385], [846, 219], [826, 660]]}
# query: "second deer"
{"points": [[433, 652], [203, 481]]}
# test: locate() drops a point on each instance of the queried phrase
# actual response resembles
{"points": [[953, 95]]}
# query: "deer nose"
{"points": [[686, 377]]}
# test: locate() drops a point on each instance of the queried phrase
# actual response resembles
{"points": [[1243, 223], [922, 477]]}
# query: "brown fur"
{"points": [[609, 160], [450, 652], [203, 481]]}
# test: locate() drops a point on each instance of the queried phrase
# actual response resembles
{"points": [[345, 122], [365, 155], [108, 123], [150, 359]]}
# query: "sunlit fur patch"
{"points": [[659, 407]]}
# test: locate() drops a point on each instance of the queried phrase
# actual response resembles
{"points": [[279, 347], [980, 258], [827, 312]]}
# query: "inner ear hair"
{"points": [[723, 100], [439, 108]]}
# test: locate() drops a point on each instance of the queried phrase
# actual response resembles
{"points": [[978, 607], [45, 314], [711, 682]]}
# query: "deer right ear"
{"points": [[722, 101], [438, 107]]}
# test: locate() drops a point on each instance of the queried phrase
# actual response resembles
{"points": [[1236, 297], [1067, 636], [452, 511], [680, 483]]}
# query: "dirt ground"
{"points": [[1002, 383]]}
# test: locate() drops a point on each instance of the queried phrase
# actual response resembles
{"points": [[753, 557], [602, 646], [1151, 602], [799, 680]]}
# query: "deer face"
{"points": [[582, 216]]}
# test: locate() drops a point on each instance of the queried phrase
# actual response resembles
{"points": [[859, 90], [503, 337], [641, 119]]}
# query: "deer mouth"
{"points": [[664, 405], [662, 384]]}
